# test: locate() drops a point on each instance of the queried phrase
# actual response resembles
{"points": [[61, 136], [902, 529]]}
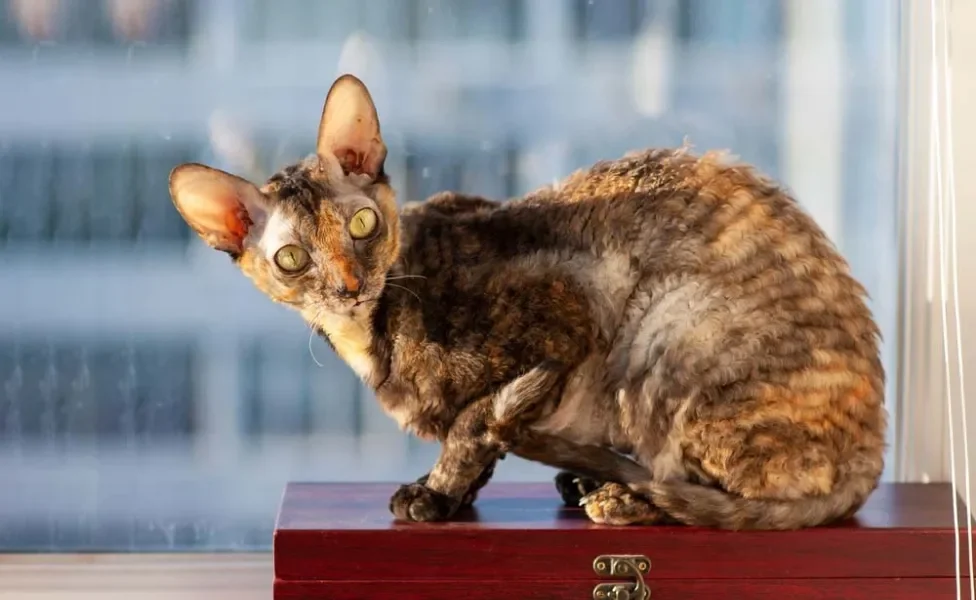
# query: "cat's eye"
{"points": [[362, 224], [291, 258]]}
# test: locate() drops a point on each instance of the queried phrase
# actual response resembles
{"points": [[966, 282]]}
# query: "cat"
{"points": [[670, 330]]}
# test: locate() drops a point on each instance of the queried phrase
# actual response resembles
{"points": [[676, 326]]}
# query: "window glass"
{"points": [[151, 399]]}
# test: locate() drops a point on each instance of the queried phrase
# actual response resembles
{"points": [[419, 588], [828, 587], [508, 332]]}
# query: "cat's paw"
{"points": [[616, 504], [417, 502], [572, 487]]}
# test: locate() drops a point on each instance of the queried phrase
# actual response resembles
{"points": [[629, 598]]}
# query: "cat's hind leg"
{"points": [[573, 487], [616, 504], [583, 468]]}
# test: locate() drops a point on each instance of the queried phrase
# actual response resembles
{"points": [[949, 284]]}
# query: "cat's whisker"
{"points": [[408, 290], [311, 334], [398, 277]]}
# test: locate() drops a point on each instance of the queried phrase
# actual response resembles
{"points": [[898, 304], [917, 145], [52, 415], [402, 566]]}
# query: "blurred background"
{"points": [[151, 399]]}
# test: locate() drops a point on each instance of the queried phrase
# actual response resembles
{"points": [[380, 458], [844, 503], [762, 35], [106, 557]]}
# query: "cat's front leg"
{"points": [[466, 462], [480, 435], [472, 493]]}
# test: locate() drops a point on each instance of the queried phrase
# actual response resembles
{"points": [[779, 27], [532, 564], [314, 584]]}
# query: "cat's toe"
{"points": [[616, 504], [572, 487], [417, 502]]}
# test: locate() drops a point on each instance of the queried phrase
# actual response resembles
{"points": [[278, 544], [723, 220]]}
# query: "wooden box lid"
{"points": [[341, 537]]}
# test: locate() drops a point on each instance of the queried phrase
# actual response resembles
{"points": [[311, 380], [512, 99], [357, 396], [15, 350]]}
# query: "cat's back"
{"points": [[666, 210], [664, 234], [662, 202]]}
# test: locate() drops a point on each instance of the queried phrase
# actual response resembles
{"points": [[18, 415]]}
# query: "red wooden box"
{"points": [[339, 542]]}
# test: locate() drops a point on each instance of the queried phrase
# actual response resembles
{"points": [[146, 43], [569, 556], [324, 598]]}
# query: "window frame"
{"points": [[914, 377], [923, 448], [245, 576]]}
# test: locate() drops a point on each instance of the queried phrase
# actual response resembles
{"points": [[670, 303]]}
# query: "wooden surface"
{"points": [[519, 533], [726, 589], [365, 507]]}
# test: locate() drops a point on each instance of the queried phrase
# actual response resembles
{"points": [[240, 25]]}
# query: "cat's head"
{"points": [[320, 235]]}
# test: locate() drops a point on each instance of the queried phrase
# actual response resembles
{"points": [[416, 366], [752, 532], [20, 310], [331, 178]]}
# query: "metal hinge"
{"points": [[631, 566]]}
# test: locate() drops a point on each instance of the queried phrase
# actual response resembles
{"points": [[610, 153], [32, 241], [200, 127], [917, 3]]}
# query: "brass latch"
{"points": [[631, 566]]}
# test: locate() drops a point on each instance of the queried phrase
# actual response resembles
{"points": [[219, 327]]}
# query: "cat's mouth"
{"points": [[362, 299]]}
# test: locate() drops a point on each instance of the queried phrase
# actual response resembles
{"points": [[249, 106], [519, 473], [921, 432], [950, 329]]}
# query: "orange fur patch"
{"points": [[346, 268]]}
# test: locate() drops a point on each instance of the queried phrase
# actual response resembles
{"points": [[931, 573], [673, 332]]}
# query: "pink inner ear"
{"points": [[213, 203], [237, 221], [353, 161], [350, 130], [216, 216]]}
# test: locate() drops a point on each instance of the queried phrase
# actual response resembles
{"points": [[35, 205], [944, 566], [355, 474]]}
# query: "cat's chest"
{"points": [[429, 383], [406, 405], [352, 340], [419, 410]]}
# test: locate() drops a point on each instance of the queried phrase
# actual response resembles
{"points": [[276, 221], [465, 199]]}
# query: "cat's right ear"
{"points": [[350, 128], [219, 206]]}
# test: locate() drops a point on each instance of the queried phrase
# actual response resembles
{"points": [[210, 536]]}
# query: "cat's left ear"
{"points": [[350, 128], [219, 206]]}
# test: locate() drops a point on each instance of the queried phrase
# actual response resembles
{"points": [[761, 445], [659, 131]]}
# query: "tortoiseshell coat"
{"points": [[672, 330]]}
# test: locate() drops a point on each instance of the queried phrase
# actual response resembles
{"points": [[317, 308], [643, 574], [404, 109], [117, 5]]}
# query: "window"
{"points": [[56, 396], [94, 25], [607, 21], [151, 399], [113, 192]]}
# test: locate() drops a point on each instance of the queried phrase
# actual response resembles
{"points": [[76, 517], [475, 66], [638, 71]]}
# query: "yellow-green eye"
{"points": [[291, 258], [362, 223]]}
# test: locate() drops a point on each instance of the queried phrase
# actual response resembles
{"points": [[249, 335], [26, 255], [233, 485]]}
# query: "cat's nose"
{"points": [[351, 286]]}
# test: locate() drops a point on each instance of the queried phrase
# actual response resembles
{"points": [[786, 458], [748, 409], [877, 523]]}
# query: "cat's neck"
{"points": [[360, 338], [351, 336]]}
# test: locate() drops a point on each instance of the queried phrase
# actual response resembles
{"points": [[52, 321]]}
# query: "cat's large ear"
{"points": [[219, 206], [350, 128]]}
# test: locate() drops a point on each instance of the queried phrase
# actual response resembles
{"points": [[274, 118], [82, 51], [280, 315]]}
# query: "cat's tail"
{"points": [[702, 506]]}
